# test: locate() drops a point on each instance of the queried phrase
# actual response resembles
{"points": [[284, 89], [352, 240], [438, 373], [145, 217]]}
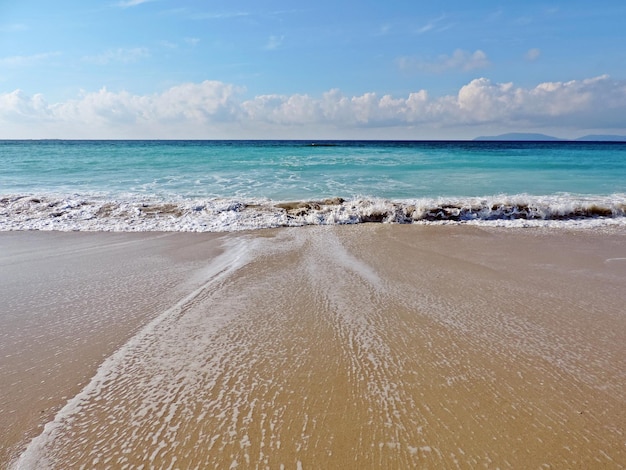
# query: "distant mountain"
{"points": [[602, 138], [520, 136], [517, 136]]}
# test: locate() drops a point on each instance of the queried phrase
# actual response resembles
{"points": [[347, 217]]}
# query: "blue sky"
{"points": [[323, 69]]}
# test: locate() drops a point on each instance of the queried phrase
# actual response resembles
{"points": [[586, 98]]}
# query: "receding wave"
{"points": [[29, 212]]}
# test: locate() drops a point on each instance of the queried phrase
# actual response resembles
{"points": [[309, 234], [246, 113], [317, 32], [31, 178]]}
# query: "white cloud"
{"points": [[220, 15], [192, 41], [274, 42], [18, 106], [214, 109], [13, 27], [591, 103], [459, 60], [119, 55], [26, 60], [132, 3], [532, 54], [495, 16], [433, 25], [383, 30]]}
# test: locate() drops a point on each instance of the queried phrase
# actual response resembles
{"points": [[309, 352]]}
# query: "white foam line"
{"points": [[144, 214], [340, 255], [236, 255]]}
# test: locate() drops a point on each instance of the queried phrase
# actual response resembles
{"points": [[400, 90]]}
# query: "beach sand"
{"points": [[68, 301], [370, 346]]}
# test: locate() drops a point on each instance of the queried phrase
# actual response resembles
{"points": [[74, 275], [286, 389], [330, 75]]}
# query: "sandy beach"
{"points": [[369, 346]]}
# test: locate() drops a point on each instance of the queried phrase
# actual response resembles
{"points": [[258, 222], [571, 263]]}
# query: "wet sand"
{"points": [[68, 301], [372, 346]]}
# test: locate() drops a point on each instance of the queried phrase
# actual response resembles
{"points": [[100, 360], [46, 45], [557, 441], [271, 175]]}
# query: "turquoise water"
{"points": [[249, 172]]}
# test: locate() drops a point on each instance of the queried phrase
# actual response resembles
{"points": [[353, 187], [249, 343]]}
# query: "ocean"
{"points": [[237, 185]]}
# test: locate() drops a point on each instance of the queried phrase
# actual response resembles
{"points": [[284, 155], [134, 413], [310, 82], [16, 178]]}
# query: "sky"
{"points": [[372, 69]]}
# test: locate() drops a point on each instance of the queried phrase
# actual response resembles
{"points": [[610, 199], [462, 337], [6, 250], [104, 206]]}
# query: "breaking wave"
{"points": [[78, 213]]}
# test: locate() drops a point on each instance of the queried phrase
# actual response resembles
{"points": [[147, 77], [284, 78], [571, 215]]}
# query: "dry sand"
{"points": [[372, 346]]}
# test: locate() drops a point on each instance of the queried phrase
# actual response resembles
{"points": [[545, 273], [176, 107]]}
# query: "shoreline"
{"points": [[150, 213], [417, 347], [75, 298]]}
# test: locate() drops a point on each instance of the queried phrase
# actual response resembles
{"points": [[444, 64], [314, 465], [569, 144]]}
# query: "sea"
{"points": [[216, 186]]}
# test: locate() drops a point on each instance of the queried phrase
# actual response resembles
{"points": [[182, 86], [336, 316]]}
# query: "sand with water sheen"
{"points": [[373, 346]]}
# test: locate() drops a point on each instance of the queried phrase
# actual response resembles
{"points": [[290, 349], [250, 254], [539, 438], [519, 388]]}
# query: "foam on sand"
{"points": [[232, 258], [369, 347]]}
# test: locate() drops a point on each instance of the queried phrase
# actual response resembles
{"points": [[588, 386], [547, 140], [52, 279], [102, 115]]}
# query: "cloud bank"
{"points": [[213, 110]]}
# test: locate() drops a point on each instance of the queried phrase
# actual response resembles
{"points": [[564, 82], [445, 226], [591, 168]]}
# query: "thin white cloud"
{"points": [[459, 60], [293, 11], [383, 30], [532, 54], [433, 25], [189, 41], [274, 42], [225, 14], [524, 20], [214, 109], [495, 16], [427, 27], [132, 3], [219, 15], [168, 44], [119, 55], [26, 60], [13, 27]]}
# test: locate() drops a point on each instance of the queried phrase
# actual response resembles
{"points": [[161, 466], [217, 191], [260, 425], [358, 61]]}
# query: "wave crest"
{"points": [[28, 212]]}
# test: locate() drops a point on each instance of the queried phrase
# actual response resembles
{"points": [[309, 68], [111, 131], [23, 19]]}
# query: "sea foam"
{"points": [[237, 253], [93, 213]]}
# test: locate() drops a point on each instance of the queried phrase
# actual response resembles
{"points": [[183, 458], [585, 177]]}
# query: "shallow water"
{"points": [[236, 185]]}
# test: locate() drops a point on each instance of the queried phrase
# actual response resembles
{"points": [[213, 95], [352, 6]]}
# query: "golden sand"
{"points": [[372, 346]]}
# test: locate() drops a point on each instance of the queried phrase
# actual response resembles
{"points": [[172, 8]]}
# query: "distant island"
{"points": [[520, 136], [602, 138]]}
